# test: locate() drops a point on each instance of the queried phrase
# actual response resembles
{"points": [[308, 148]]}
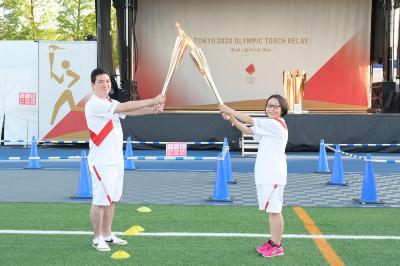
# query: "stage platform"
{"points": [[305, 130]]}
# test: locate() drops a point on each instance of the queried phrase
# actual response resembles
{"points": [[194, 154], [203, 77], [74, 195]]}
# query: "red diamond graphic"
{"points": [[250, 69]]}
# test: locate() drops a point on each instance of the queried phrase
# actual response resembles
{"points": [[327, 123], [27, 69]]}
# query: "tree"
{"points": [[76, 19], [26, 19], [114, 37], [2, 20]]}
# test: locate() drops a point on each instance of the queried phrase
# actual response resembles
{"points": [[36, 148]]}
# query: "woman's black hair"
{"points": [[282, 102]]}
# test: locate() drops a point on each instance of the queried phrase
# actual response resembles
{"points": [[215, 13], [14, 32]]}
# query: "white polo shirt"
{"points": [[272, 135], [106, 138]]}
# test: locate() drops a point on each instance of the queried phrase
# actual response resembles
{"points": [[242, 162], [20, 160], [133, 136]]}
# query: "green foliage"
{"points": [[76, 19], [47, 20], [27, 19], [2, 21], [62, 20], [114, 36]]}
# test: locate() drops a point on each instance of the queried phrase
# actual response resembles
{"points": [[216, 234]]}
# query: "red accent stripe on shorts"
{"points": [[109, 199], [282, 123], [97, 173], [102, 184], [98, 139], [273, 189]]}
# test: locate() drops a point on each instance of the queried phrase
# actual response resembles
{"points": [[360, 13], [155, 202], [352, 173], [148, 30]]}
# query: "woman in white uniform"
{"points": [[270, 168]]}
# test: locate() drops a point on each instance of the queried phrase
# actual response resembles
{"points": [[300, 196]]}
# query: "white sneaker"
{"points": [[99, 244], [112, 239]]}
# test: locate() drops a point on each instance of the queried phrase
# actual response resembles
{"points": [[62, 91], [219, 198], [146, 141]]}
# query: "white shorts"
{"points": [[109, 189], [270, 197]]}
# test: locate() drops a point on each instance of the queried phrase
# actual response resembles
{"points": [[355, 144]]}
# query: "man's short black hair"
{"points": [[96, 72], [282, 102]]}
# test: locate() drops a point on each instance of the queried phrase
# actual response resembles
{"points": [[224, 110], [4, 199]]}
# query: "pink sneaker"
{"points": [[265, 245], [272, 252]]}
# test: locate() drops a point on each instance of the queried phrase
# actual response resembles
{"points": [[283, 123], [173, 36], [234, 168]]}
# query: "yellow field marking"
{"points": [[330, 255]]}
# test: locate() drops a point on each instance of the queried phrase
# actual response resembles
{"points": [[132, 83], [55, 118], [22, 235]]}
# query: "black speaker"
{"points": [[390, 98]]}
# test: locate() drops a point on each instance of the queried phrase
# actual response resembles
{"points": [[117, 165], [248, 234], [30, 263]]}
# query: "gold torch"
{"points": [[177, 53], [200, 62]]}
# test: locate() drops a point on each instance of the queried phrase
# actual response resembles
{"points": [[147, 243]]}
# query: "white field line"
{"points": [[189, 234]]}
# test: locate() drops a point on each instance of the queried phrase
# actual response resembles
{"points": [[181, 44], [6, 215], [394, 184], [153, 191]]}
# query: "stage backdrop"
{"points": [[64, 88], [18, 88], [249, 43]]}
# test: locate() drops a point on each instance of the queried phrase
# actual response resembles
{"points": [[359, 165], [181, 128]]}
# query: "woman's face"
{"points": [[273, 108]]}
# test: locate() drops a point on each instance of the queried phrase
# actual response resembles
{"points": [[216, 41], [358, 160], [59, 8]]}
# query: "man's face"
{"points": [[101, 86]]}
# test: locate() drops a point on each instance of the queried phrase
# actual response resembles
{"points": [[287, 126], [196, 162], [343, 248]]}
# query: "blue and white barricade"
{"points": [[46, 141], [365, 145], [369, 193], [173, 158], [186, 142], [221, 193], [22, 141], [27, 158]]}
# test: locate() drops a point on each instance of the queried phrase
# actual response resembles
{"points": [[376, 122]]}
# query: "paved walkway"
{"points": [[193, 188]]}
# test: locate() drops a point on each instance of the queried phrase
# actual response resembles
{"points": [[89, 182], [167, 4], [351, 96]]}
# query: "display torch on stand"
{"points": [[294, 82]]}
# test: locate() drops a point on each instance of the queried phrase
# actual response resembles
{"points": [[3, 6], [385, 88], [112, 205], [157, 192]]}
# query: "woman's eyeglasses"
{"points": [[273, 106]]}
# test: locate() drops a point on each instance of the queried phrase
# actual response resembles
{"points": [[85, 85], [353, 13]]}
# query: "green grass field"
{"points": [[37, 249]]}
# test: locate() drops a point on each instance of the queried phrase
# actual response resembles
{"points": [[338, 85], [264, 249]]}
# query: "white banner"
{"points": [[248, 45], [19, 83], [64, 70]]}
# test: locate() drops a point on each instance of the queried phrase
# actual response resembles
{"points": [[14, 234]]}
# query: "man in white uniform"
{"points": [[105, 159]]}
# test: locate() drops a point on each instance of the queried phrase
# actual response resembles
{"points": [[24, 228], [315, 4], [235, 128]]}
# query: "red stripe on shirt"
{"points": [[282, 123], [98, 139]]}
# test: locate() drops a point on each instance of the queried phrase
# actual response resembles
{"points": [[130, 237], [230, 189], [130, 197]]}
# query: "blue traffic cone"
{"points": [[33, 163], [129, 163], [323, 167], [337, 177], [85, 181], [221, 193], [368, 193], [227, 163]]}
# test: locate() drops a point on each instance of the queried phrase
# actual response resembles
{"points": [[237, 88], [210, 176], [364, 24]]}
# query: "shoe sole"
{"points": [[100, 249], [260, 250], [118, 244], [272, 255]]}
